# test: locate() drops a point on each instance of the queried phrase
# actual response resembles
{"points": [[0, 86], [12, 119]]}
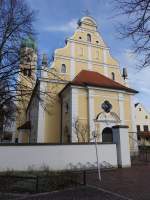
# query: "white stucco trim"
{"points": [[74, 112], [105, 61], [72, 61], [106, 70], [103, 89], [121, 107], [72, 69], [82, 60], [104, 97], [89, 57], [133, 125], [41, 116], [85, 43], [133, 122], [44, 71], [54, 81], [91, 112]]}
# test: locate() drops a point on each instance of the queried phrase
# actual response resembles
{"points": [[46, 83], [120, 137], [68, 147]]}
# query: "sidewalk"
{"points": [[120, 184]]}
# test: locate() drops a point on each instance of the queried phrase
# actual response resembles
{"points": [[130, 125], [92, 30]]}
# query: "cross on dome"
{"points": [[86, 12]]}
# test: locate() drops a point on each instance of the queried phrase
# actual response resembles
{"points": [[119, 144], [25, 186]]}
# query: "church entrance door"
{"points": [[107, 135]]}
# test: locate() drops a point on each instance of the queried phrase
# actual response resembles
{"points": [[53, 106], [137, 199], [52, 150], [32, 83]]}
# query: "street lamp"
{"points": [[95, 135]]}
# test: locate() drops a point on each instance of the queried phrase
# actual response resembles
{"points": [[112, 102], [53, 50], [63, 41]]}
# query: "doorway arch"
{"points": [[107, 135]]}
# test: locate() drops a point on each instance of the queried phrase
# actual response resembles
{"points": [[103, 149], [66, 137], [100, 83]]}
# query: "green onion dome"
{"points": [[29, 43]]}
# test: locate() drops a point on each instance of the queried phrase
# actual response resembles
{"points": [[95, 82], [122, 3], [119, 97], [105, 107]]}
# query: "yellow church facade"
{"points": [[82, 93]]}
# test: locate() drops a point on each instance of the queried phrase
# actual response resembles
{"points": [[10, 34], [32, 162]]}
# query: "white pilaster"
{"points": [[72, 61], [89, 57], [133, 126], [74, 113], [105, 62], [91, 112], [106, 70], [44, 72], [121, 108], [41, 115]]}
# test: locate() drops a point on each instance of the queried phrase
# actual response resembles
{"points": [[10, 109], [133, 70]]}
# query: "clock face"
{"points": [[106, 106]]}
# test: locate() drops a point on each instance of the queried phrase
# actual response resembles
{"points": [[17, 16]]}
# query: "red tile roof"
{"points": [[96, 79]]}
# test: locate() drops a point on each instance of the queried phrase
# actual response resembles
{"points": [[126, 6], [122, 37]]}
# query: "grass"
{"points": [[32, 181]]}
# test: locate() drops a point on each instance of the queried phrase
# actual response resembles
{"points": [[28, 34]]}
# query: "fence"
{"points": [[41, 183], [143, 156]]}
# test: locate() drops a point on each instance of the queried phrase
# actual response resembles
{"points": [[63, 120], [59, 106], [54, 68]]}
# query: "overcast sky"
{"points": [[56, 20]]}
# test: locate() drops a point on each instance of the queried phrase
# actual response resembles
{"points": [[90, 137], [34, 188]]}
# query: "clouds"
{"points": [[58, 20], [68, 27]]}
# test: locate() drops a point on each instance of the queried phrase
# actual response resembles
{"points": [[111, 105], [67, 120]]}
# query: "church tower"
{"points": [[28, 58], [26, 78]]}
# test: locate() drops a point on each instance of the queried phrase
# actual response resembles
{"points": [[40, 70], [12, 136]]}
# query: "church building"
{"points": [[82, 94]]}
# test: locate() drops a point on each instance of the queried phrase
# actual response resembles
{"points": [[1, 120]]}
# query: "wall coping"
{"points": [[120, 126], [53, 144]]}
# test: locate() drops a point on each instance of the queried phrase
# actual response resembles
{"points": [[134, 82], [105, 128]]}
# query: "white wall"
{"points": [[56, 157]]}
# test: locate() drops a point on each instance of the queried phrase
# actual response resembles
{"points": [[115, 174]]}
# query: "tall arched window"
{"points": [[28, 59], [63, 68], [113, 76], [88, 37]]}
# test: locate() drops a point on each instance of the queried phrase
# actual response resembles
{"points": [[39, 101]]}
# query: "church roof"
{"points": [[95, 79]]}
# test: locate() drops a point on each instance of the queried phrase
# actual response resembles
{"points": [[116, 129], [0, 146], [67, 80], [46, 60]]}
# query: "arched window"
{"points": [[66, 107], [113, 76], [88, 37], [63, 68], [28, 59], [27, 72]]}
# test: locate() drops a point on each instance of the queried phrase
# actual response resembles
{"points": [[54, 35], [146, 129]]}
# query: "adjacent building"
{"points": [[142, 124]]}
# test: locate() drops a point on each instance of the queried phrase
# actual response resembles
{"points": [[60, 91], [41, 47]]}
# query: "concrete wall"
{"points": [[56, 157]]}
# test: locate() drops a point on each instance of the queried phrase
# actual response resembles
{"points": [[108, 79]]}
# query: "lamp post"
{"points": [[96, 149]]}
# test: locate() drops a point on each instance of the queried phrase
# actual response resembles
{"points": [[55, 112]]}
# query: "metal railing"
{"points": [[42, 183]]}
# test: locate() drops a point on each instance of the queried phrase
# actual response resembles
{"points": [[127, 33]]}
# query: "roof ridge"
{"points": [[83, 79]]}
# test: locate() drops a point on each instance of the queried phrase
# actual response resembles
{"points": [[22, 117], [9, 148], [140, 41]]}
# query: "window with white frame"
{"points": [[113, 76], [63, 68], [88, 37]]}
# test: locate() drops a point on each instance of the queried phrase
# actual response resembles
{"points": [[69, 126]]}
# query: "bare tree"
{"points": [[136, 26], [82, 131], [16, 20], [15, 25]]}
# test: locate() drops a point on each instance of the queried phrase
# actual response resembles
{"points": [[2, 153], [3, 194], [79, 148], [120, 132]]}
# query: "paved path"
{"points": [[131, 182], [120, 184], [80, 193]]}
